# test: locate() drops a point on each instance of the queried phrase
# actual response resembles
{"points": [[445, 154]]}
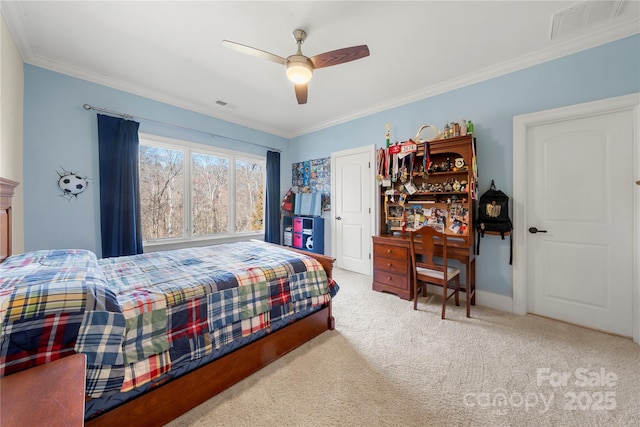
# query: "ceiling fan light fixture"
{"points": [[300, 68], [299, 72]]}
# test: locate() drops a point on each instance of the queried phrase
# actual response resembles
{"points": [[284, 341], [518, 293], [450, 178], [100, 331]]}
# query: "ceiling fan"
{"points": [[299, 67]]}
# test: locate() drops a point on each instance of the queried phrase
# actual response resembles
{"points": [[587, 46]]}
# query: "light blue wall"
{"points": [[602, 72], [59, 133]]}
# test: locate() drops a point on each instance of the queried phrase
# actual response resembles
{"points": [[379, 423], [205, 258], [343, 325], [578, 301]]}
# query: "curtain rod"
{"points": [[129, 117]]}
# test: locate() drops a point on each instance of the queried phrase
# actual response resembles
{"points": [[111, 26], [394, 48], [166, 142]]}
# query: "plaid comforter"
{"points": [[136, 317]]}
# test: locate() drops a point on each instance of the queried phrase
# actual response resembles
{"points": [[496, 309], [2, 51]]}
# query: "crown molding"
{"points": [[152, 94], [15, 21], [556, 51]]}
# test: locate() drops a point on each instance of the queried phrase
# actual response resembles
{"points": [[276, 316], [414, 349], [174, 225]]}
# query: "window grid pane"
{"points": [[161, 192], [209, 194], [249, 196]]}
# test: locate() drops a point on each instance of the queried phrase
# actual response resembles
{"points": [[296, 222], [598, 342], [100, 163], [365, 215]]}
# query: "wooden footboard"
{"points": [[174, 398], [327, 262]]}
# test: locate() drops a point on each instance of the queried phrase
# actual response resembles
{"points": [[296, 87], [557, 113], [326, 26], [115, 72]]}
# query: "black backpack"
{"points": [[493, 216]]}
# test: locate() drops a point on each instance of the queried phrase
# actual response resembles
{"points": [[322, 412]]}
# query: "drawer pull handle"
{"points": [[389, 278], [388, 264], [388, 251]]}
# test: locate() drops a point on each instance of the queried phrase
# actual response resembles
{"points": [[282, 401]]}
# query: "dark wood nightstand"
{"points": [[52, 394]]}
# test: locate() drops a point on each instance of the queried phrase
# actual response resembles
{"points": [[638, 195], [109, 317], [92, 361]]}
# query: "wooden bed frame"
{"points": [[168, 401], [172, 399], [7, 188]]}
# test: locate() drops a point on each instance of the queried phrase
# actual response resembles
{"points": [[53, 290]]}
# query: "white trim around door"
{"points": [[368, 185], [520, 126]]}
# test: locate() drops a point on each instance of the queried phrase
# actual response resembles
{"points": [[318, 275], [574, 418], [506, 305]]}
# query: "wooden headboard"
{"points": [[7, 187]]}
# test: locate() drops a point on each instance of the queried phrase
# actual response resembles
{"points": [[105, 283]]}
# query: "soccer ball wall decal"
{"points": [[71, 184]]}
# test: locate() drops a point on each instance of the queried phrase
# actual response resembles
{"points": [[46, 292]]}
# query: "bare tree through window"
{"points": [[209, 194], [249, 196], [161, 192]]}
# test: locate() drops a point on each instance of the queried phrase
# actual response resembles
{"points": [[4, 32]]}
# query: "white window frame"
{"points": [[189, 148]]}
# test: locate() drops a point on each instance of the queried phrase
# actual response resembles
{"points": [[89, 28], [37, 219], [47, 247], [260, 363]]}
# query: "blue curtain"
{"points": [[120, 219], [272, 211]]}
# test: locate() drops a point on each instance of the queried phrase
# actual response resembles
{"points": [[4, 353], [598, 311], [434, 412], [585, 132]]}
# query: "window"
{"points": [[161, 192], [209, 195], [194, 192]]}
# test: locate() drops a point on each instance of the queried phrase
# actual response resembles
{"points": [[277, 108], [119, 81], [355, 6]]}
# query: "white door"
{"points": [[580, 196], [352, 211]]}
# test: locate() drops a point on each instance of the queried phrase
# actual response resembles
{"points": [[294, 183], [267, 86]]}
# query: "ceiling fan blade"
{"points": [[253, 51], [301, 93], [339, 56]]}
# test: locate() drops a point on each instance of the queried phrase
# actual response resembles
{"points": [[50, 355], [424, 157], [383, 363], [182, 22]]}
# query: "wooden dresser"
{"points": [[392, 265]]}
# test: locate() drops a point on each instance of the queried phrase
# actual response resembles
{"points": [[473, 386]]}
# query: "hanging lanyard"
{"points": [[387, 158], [380, 162], [411, 160], [394, 173], [425, 158]]}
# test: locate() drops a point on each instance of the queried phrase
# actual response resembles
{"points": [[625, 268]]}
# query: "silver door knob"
{"points": [[338, 218]]}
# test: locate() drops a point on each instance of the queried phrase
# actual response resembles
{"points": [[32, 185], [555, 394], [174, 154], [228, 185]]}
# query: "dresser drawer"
{"points": [[394, 252], [399, 281], [390, 265]]}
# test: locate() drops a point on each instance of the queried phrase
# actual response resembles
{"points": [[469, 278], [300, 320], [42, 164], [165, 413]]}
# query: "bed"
{"points": [[162, 331]]}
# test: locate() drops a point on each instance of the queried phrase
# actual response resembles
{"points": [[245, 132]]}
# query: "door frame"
{"points": [[520, 126], [371, 151]]}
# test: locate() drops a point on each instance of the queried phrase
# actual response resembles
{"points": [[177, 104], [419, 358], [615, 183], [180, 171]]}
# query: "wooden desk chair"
{"points": [[426, 271]]}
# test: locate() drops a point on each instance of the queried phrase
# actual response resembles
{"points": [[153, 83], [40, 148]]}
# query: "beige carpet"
{"points": [[387, 365]]}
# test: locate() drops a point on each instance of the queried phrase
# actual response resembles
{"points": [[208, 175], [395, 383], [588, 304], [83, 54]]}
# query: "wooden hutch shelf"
{"points": [[443, 198]]}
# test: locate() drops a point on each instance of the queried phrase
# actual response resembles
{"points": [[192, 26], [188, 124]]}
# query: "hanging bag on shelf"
{"points": [[493, 216], [286, 206]]}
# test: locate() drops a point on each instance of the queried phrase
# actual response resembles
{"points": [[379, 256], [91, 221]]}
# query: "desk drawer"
{"points": [[399, 281], [390, 265], [394, 252]]}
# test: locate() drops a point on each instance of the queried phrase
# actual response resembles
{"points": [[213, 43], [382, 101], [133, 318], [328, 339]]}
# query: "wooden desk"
{"points": [[392, 270], [47, 395]]}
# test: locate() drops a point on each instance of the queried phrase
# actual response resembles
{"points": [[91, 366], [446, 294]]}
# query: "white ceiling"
{"points": [[171, 51]]}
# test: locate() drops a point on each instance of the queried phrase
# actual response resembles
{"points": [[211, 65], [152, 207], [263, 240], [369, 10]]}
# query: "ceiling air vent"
{"points": [[587, 13], [221, 103]]}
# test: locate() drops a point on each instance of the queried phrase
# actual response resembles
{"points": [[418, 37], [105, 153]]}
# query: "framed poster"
{"points": [[313, 176]]}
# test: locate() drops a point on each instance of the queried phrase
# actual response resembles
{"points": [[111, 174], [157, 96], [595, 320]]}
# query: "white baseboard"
{"points": [[484, 298], [495, 301]]}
